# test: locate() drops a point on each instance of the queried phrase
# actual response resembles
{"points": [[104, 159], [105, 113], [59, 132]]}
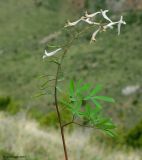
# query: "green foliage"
{"points": [[35, 114], [134, 136], [83, 102], [21, 36], [4, 153], [49, 118], [4, 102], [134, 17], [13, 107], [9, 105]]}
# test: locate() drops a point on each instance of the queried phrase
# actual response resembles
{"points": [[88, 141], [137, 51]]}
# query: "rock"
{"points": [[130, 90]]}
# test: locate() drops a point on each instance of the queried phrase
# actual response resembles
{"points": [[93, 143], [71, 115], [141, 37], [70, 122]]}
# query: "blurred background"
{"points": [[28, 125]]}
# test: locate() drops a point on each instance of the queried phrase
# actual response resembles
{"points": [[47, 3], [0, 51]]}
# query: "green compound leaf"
{"points": [[87, 111], [93, 92], [96, 90], [97, 104], [65, 103], [74, 107], [94, 112], [83, 88], [104, 98], [79, 83], [78, 102], [77, 108]]}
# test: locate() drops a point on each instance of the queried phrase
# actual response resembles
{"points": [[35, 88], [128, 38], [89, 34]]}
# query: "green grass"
{"points": [[113, 61]]}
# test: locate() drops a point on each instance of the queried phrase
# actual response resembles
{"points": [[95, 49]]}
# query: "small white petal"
{"points": [[70, 24], [105, 16], [120, 23], [48, 54], [110, 25], [91, 15], [119, 26], [89, 21]]}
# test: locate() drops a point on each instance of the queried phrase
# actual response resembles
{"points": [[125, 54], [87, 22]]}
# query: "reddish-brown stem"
{"points": [[82, 125], [67, 124], [56, 99], [59, 117], [55, 93]]}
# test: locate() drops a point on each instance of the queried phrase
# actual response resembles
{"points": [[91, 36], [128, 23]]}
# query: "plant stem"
{"points": [[58, 114], [55, 90], [56, 99]]}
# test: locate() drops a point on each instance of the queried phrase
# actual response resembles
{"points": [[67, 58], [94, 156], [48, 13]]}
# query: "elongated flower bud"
{"points": [[94, 35], [91, 15], [90, 22], [48, 54], [70, 24]]}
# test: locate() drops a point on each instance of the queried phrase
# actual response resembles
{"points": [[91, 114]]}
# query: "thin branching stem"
{"points": [[55, 89], [82, 125], [57, 107]]}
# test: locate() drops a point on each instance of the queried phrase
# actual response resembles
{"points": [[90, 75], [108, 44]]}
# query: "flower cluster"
{"points": [[89, 19]]}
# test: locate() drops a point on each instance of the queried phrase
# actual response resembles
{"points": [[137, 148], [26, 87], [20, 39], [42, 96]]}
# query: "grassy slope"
{"points": [[20, 136], [113, 61]]}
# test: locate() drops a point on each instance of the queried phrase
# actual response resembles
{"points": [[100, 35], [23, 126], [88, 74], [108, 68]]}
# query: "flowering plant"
{"points": [[81, 100]]}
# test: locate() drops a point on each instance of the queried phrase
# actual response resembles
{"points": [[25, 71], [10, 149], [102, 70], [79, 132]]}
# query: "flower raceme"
{"points": [[102, 27], [119, 23], [89, 19]]}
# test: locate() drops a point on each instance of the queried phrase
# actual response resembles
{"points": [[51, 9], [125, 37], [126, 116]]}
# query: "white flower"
{"points": [[89, 21], [94, 35], [109, 25], [48, 54], [119, 24], [91, 15], [105, 16], [70, 24]]}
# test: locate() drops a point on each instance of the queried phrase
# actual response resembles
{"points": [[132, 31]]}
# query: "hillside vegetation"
{"points": [[26, 29]]}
